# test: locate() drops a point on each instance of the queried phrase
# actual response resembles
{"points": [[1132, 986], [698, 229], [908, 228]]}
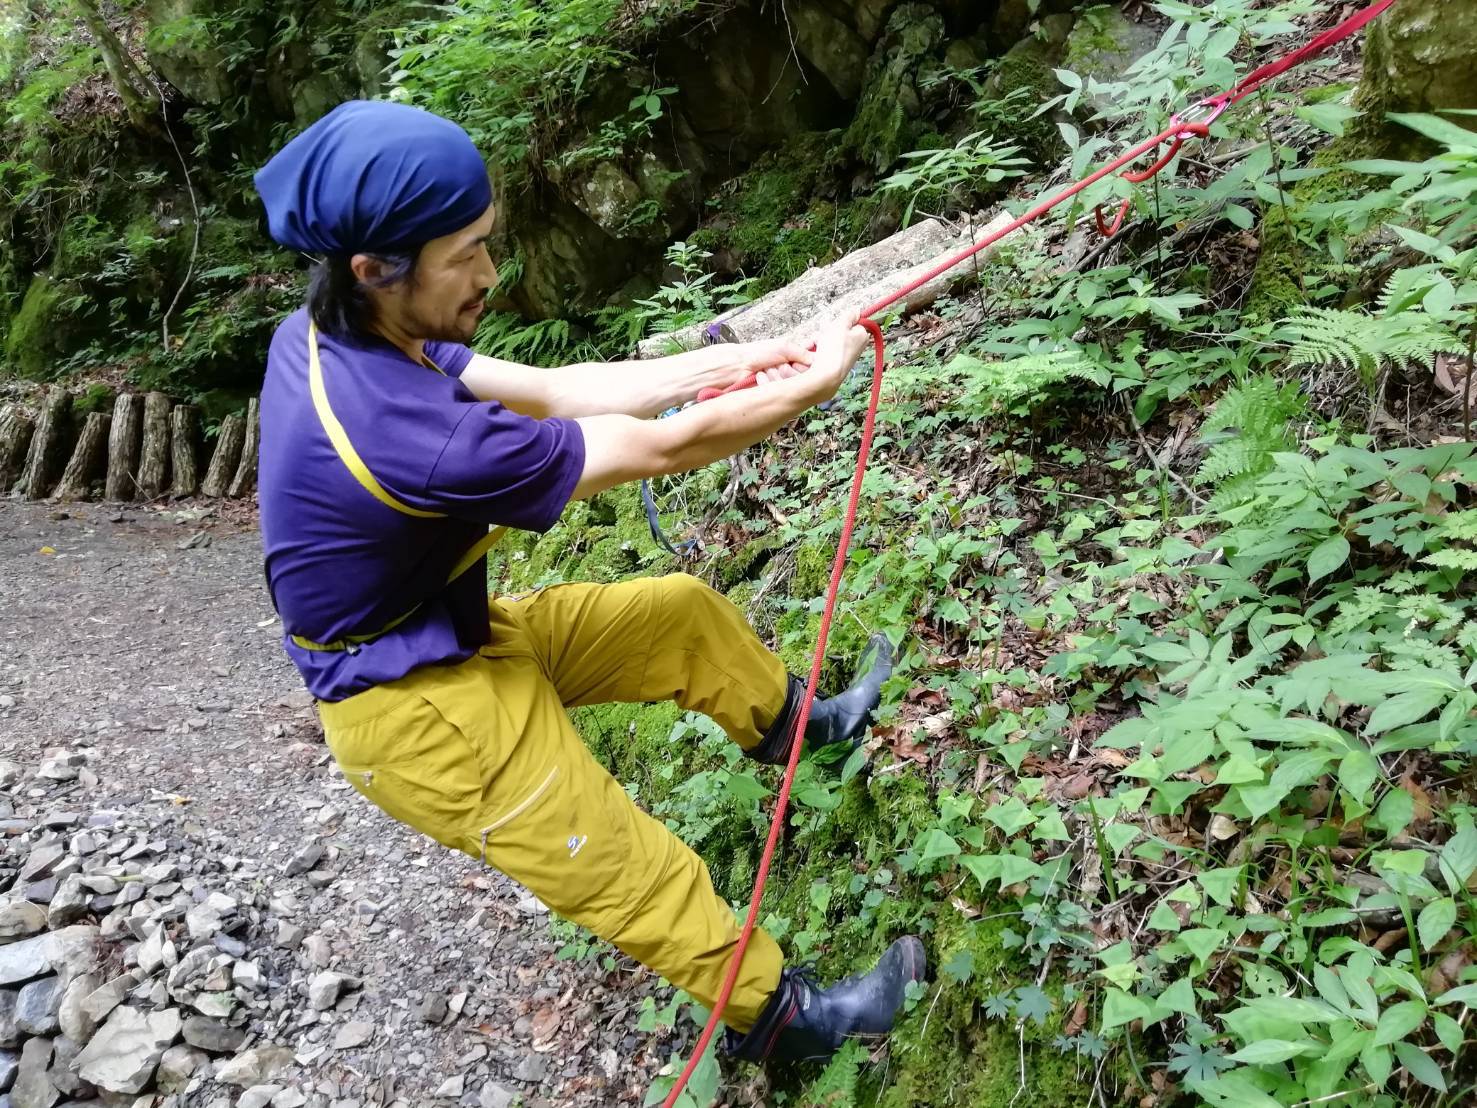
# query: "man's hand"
{"points": [[837, 348], [769, 360]]}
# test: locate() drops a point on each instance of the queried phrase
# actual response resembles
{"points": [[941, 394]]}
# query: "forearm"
{"points": [[725, 425], [639, 388]]}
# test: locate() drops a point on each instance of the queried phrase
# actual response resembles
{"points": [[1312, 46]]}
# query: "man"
{"points": [[388, 449]]}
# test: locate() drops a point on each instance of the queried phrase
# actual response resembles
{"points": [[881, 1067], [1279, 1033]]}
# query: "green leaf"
{"points": [[1267, 1051], [1221, 884], [1398, 1021], [1394, 813], [1202, 942], [1459, 858], [1420, 1065], [960, 967], [1406, 707], [934, 844], [1292, 1008], [1031, 1002], [1357, 772], [1328, 556], [1377, 1062], [1120, 1007], [1464, 994], [1163, 918], [1179, 997], [1120, 835], [1448, 1031], [1434, 127], [1435, 920]]}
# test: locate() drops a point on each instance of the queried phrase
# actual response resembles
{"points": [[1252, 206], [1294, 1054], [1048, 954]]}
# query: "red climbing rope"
{"points": [[1181, 127]]}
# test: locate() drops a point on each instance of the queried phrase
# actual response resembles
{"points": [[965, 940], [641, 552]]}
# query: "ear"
{"points": [[367, 269]]}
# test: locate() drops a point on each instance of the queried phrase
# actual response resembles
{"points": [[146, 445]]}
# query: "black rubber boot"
{"points": [[838, 719], [803, 1022]]}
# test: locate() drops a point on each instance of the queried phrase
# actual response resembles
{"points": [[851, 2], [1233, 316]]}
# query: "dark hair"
{"points": [[336, 298]]}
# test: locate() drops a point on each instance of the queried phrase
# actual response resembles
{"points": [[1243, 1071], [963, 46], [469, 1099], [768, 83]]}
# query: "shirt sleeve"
{"points": [[450, 357], [506, 469]]}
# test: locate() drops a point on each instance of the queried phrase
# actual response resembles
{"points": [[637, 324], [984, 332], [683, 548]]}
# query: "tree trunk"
{"points": [[184, 425], [1420, 56], [135, 89], [15, 436], [47, 444], [123, 444], [226, 457], [154, 461], [245, 479], [76, 483]]}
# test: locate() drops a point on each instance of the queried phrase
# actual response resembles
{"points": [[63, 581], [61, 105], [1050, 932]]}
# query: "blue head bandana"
{"points": [[373, 177]]}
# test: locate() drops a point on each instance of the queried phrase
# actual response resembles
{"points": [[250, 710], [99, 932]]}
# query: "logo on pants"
{"points": [[576, 844]]}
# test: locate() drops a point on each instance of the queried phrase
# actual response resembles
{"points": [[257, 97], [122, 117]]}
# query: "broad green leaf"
{"points": [[1292, 1008], [934, 844], [1463, 994], [1163, 918], [1420, 1065], [1120, 1007], [1179, 997], [1010, 815], [1398, 1021], [1448, 1031], [1403, 708], [1435, 920], [1394, 813], [1357, 773], [1267, 1051], [1434, 127], [1459, 858], [1327, 557], [1202, 942], [1377, 1062], [1120, 835], [1221, 884]]}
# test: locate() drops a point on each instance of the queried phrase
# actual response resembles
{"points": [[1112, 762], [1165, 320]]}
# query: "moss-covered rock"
{"points": [[883, 126], [1103, 44], [48, 326], [1421, 56]]}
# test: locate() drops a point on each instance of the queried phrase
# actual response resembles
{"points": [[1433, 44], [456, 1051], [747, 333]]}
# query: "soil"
{"points": [[146, 635]]}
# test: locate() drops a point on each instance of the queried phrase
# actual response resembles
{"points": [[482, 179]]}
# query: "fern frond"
{"points": [[1367, 343], [1249, 425]]}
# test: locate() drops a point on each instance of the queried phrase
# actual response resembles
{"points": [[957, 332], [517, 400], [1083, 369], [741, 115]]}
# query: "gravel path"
{"points": [[146, 636]]}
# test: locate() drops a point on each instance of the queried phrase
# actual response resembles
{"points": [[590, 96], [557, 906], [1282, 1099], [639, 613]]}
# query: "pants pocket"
{"points": [[416, 766]]}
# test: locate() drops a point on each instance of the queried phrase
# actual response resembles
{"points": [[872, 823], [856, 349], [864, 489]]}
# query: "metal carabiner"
{"points": [[1213, 107]]}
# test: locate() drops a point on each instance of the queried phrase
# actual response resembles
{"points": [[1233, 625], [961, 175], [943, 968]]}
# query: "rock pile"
{"points": [[133, 974]]}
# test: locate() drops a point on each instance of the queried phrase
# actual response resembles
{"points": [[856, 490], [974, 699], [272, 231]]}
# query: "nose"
{"points": [[487, 271]]}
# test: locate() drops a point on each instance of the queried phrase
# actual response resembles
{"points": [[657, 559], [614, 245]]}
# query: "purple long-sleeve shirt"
{"points": [[339, 562]]}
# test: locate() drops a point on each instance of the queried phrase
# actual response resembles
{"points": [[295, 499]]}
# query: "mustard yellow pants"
{"points": [[482, 757]]}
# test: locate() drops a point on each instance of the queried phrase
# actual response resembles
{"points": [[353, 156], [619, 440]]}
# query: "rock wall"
{"points": [[1421, 56]]}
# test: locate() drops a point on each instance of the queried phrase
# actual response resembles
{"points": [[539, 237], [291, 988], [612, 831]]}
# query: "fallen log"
{"points": [[846, 286], [184, 425], [47, 444], [154, 456], [87, 458], [245, 479], [15, 436], [123, 447], [227, 455]]}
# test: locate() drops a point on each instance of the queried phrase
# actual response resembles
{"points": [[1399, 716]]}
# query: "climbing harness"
{"points": [[1194, 122], [355, 465]]}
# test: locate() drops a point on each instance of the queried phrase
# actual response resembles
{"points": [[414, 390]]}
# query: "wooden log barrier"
{"points": [[47, 444], [184, 424], [245, 479], [228, 442], [15, 436], [123, 447], [87, 458], [154, 457]]}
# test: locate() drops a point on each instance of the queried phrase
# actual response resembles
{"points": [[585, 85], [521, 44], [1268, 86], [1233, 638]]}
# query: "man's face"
{"points": [[446, 295]]}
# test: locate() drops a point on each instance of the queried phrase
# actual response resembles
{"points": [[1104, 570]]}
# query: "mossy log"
{"points": [[245, 479], [15, 435], [87, 458], [47, 444], [123, 446], [153, 463], [184, 426], [227, 456]]}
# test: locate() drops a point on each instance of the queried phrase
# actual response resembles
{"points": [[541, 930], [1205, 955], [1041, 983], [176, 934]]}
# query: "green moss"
{"points": [[1280, 281], [96, 397], [1023, 81], [47, 327]]}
